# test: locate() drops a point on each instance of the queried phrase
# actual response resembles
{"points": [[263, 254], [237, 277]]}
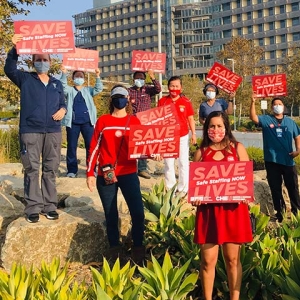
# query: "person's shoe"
{"points": [[144, 174], [33, 218], [71, 175], [51, 215]]}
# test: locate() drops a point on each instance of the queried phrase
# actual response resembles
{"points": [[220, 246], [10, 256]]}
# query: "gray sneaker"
{"points": [[144, 174], [71, 175]]}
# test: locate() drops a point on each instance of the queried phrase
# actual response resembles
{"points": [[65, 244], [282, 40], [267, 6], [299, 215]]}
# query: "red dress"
{"points": [[222, 223]]}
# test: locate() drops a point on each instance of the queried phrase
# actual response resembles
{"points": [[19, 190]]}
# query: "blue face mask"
{"points": [[42, 67], [139, 82], [78, 81], [119, 102]]}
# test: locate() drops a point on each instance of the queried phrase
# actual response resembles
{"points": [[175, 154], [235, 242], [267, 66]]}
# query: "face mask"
{"points": [[174, 93], [278, 109], [216, 135], [119, 102], [210, 95], [139, 82], [41, 67], [78, 81]]}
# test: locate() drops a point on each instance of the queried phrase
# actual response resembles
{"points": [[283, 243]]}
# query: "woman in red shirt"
{"points": [[109, 149]]}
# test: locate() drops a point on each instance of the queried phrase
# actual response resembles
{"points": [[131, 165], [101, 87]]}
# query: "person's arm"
{"points": [[253, 115], [62, 105], [192, 125], [297, 145], [10, 67], [64, 81], [98, 85], [229, 109], [197, 155], [156, 88], [201, 115], [242, 153]]}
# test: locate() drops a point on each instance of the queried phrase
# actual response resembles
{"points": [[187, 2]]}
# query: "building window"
{"points": [[226, 33], [226, 6], [259, 13], [296, 36], [250, 30], [282, 9], [282, 23], [249, 16], [239, 31], [295, 6], [273, 69], [248, 2], [272, 54], [295, 21], [260, 42], [227, 20], [259, 1], [260, 27], [271, 11], [271, 26], [238, 3], [238, 18], [272, 40], [283, 38]]}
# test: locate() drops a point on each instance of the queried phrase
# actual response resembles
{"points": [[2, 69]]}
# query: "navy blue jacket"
{"points": [[38, 102]]}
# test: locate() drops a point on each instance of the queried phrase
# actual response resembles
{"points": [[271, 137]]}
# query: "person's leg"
{"points": [[183, 164], [274, 178], [50, 163], [143, 168], [233, 268], [87, 131], [290, 178], [209, 258], [170, 178], [130, 187], [31, 147], [72, 142], [108, 197]]}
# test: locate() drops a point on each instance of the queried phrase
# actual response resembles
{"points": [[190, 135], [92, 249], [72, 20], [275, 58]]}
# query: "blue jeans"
{"points": [[142, 165], [87, 131], [130, 188]]}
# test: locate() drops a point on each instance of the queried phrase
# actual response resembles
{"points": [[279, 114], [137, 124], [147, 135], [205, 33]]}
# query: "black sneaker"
{"points": [[51, 215], [33, 218]]}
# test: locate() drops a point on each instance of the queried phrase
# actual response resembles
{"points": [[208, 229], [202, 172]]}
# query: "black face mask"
{"points": [[119, 102]]}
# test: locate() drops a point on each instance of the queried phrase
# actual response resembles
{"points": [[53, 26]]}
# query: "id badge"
{"points": [[279, 132]]}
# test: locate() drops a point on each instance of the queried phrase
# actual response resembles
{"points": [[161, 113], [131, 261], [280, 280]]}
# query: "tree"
{"points": [[8, 9], [291, 68], [247, 62]]}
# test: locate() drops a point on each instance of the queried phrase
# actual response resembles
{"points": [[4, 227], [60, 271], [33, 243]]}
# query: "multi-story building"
{"points": [[192, 31]]}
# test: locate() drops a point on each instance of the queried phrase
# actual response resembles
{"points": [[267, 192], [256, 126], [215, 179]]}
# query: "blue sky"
{"points": [[56, 10]]}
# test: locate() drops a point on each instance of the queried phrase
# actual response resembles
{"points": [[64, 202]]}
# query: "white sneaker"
{"points": [[71, 175]]}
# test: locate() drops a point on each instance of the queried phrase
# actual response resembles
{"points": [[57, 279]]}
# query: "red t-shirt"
{"points": [[184, 109], [105, 145]]}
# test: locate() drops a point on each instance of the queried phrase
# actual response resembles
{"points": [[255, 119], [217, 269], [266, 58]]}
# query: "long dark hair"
{"points": [[229, 138], [128, 107]]}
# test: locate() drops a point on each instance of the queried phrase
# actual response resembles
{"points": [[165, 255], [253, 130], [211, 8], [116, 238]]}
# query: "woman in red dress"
{"points": [[225, 224]]}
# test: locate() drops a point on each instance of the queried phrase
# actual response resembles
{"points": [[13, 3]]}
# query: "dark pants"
{"points": [[130, 188], [86, 130], [40, 194], [275, 174]]}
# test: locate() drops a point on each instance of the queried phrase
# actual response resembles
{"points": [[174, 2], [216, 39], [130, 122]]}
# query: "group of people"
{"points": [[47, 102]]}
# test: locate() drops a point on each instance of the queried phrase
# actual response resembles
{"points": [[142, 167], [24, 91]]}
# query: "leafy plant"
{"points": [[167, 281]]}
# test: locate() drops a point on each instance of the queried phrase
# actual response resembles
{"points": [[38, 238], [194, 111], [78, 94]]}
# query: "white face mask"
{"points": [[278, 109], [210, 95]]}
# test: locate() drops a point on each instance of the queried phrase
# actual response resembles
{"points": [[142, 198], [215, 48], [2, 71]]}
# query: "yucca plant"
{"points": [[167, 281], [19, 284], [114, 283]]}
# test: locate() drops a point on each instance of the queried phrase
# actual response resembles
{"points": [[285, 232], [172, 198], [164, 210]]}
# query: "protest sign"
{"points": [[148, 141], [40, 37], [82, 60], [223, 78], [269, 85], [145, 60], [162, 115], [221, 182]]}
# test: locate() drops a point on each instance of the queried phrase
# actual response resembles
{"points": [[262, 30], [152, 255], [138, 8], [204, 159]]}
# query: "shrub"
{"points": [[10, 148], [257, 156]]}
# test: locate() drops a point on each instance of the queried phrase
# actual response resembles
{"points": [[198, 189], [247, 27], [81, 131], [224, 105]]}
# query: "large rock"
{"points": [[77, 236]]}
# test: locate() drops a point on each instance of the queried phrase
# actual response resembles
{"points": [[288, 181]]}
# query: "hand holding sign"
{"points": [[16, 38]]}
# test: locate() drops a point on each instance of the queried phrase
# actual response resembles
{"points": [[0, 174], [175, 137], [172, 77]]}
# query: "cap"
{"points": [[119, 91]]}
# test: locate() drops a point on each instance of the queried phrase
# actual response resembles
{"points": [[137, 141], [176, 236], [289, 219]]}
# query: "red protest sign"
{"points": [[221, 182], [145, 60], [269, 85], [162, 115], [223, 78], [40, 37], [82, 59], [151, 140]]}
